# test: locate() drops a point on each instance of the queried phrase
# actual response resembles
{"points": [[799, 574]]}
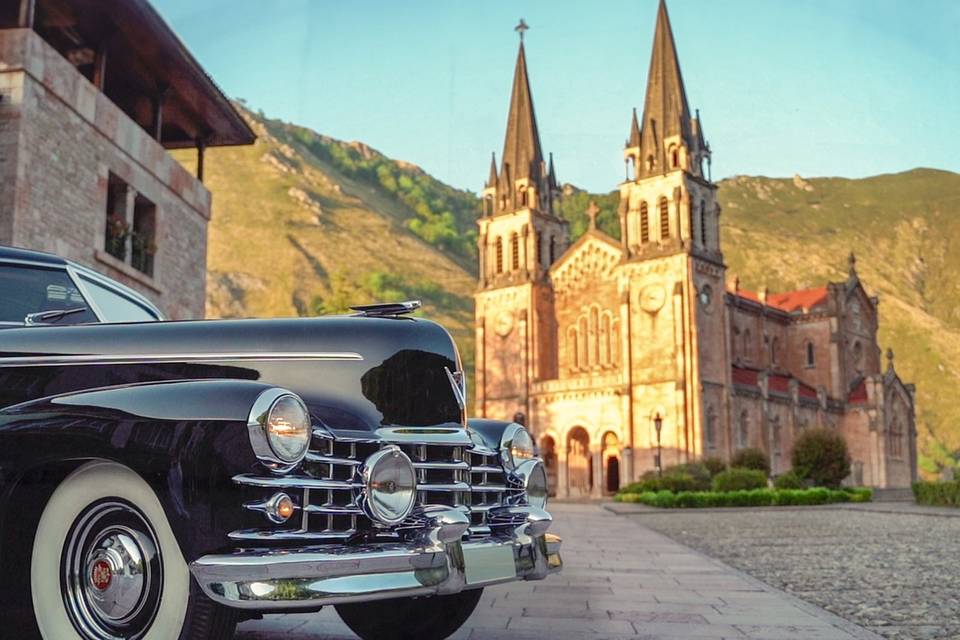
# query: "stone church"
{"points": [[596, 344]]}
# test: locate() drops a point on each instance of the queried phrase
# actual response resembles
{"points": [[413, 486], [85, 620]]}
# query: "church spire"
{"points": [[667, 137], [525, 180], [521, 146], [634, 140], [492, 178]]}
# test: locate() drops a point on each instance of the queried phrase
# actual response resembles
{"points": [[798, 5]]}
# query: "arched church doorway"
{"points": [[579, 464], [548, 450], [611, 462]]}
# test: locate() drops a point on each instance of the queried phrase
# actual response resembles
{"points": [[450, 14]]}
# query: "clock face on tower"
{"points": [[503, 324], [652, 298]]}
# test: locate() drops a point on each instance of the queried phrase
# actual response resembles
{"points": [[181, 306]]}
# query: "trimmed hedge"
{"points": [[937, 494], [751, 498], [739, 480]]}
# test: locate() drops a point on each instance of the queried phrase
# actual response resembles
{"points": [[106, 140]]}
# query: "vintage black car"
{"points": [[164, 480]]}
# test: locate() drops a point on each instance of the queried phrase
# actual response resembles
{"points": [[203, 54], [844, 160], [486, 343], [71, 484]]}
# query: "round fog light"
{"points": [[391, 485], [279, 508]]}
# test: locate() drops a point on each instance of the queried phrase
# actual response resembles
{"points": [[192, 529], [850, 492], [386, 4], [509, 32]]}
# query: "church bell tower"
{"points": [[520, 236]]}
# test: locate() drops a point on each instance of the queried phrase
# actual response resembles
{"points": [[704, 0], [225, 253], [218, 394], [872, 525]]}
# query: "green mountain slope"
{"points": [[305, 224]]}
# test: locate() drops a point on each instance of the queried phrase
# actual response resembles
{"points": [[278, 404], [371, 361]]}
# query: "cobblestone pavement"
{"points": [[621, 580], [881, 566]]}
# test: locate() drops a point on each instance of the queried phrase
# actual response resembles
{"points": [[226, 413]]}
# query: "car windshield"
{"points": [[28, 290]]}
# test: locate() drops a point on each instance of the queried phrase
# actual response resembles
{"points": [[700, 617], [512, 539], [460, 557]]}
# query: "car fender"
{"points": [[187, 439]]}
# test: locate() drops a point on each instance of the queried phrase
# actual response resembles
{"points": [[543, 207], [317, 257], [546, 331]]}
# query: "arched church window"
{"points": [[605, 341], [858, 357], [743, 430], [710, 430], [594, 337], [514, 251], [811, 360], [538, 240], [522, 196], [553, 250], [650, 162], [895, 439], [664, 219], [703, 224], [573, 347], [644, 223], [499, 255], [582, 342], [675, 157]]}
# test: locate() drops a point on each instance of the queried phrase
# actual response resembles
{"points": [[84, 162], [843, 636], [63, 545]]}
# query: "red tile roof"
{"points": [[748, 377], [778, 383], [859, 394], [790, 301], [806, 391]]}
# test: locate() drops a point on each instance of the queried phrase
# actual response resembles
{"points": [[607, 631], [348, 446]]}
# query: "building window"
{"points": [[664, 219], [747, 346], [583, 337], [675, 157], [117, 227], [594, 354], [811, 361], [703, 224], [553, 251], [499, 255], [743, 430], [538, 240], [858, 357], [573, 347], [650, 162], [606, 341], [895, 440], [644, 223], [144, 237], [514, 252], [522, 193], [710, 430]]}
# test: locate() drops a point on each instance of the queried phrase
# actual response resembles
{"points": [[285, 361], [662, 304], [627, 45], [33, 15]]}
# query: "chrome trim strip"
{"points": [[332, 509], [446, 488], [486, 469], [293, 482], [316, 457], [171, 358], [264, 535], [456, 466]]}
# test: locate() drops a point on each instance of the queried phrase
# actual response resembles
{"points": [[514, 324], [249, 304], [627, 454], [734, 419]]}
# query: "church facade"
{"points": [[612, 350]]}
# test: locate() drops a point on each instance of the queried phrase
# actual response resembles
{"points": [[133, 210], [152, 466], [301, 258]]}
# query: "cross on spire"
{"points": [[521, 28], [592, 212]]}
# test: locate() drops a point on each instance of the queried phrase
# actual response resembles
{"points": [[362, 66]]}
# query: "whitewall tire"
{"points": [[105, 563]]}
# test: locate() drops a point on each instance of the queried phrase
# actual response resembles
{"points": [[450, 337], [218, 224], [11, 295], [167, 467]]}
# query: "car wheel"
{"points": [[430, 618], [106, 565]]}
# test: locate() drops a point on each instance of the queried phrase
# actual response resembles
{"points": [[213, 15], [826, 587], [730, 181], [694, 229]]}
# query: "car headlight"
{"points": [[280, 428], [391, 485], [516, 446], [534, 475]]}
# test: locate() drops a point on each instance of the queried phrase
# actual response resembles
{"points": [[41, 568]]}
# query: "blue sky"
{"points": [[815, 87]]}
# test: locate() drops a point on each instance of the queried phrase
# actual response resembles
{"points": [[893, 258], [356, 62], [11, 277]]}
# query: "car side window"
{"points": [[114, 306], [27, 289]]}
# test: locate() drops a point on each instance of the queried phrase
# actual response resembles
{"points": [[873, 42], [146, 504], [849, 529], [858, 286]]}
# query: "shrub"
{"points": [[696, 471], [939, 494], [714, 465], [789, 480], [859, 494], [739, 480], [820, 455], [751, 459]]}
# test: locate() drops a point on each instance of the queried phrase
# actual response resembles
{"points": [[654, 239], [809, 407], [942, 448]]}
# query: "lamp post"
{"points": [[658, 425]]}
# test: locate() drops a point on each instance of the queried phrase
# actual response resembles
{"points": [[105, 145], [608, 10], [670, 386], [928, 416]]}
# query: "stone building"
{"points": [[595, 344], [92, 95]]}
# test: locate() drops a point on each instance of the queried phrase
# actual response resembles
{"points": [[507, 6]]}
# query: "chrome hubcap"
{"points": [[112, 575]]}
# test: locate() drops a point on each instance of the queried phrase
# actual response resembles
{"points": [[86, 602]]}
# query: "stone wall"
{"points": [[69, 140]]}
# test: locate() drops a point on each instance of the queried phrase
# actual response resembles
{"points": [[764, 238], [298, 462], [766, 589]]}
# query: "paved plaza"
{"points": [[890, 567], [621, 580]]}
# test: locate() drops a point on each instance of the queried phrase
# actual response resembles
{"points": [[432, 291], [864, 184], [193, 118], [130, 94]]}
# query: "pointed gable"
{"points": [[593, 257]]}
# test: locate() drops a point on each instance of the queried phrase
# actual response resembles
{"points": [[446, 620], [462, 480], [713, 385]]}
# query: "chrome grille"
{"points": [[454, 475]]}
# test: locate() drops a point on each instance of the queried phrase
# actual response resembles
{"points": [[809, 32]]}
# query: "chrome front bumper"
{"points": [[433, 561]]}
